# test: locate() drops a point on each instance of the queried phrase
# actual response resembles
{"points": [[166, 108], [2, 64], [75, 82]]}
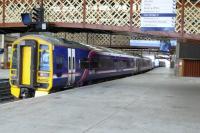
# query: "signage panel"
{"points": [[145, 43], [158, 15], [163, 45]]}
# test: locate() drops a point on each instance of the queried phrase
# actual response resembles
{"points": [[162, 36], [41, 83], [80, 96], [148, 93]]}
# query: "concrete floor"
{"points": [[155, 102], [4, 73]]}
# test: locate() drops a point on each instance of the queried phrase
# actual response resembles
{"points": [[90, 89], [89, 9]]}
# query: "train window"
{"points": [[84, 63], [122, 64], [59, 62], [128, 63], [73, 60], [69, 63], [106, 62], [44, 47], [94, 63], [132, 63], [116, 63], [44, 61]]}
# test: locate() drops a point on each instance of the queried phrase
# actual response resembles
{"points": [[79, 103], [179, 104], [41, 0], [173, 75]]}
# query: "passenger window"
{"points": [[59, 62], [94, 63], [106, 62], [84, 63]]}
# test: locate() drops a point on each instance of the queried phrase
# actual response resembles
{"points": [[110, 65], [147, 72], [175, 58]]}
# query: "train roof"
{"points": [[72, 44], [102, 50]]}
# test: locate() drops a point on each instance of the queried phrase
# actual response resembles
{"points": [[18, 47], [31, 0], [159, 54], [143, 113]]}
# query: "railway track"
{"points": [[5, 95]]}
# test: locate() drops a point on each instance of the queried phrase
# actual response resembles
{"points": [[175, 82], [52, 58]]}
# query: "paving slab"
{"points": [[154, 102]]}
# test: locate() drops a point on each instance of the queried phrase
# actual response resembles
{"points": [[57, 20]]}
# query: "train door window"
{"points": [[69, 64], [44, 60], [73, 60]]}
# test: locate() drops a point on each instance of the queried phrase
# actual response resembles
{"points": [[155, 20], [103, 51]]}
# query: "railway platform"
{"points": [[154, 102], [5, 95]]}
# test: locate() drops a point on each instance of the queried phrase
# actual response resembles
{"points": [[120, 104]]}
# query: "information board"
{"points": [[158, 15], [162, 45], [145, 43]]}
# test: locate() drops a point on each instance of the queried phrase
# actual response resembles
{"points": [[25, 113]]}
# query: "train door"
{"points": [[71, 66], [27, 63]]}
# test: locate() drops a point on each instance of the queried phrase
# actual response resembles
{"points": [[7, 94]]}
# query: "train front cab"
{"points": [[31, 67]]}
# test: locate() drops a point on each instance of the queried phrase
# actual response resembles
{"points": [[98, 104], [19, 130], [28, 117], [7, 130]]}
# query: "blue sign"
{"points": [[158, 29], [165, 45], [26, 18]]}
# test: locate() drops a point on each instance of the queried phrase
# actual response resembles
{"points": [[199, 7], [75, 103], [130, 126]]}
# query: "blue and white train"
{"points": [[42, 64]]}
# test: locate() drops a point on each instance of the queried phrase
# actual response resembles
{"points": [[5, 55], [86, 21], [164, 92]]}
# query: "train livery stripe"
{"points": [[66, 75], [108, 71], [111, 71], [129, 69]]}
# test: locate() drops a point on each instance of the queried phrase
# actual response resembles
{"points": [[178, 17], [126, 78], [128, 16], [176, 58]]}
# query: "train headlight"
{"points": [[42, 74]]}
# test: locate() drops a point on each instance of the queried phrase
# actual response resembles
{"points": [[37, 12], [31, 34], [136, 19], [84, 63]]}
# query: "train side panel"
{"points": [[105, 66]]}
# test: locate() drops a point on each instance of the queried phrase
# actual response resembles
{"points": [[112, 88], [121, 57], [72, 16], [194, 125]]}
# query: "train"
{"points": [[41, 64]]}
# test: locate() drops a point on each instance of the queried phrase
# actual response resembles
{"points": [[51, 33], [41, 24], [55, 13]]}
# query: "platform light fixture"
{"points": [[26, 18]]}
